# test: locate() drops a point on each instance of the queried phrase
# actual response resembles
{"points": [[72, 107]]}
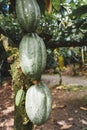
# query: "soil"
{"points": [[6, 105], [69, 107]]}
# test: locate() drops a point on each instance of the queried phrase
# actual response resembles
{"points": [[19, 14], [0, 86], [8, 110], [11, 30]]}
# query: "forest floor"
{"points": [[69, 107], [6, 105]]}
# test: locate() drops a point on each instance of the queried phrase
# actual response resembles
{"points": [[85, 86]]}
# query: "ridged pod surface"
{"points": [[19, 97], [32, 55], [28, 14], [38, 103]]}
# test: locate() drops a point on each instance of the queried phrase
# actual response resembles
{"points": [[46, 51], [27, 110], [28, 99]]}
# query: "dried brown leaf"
{"points": [[61, 106], [83, 108], [64, 127]]}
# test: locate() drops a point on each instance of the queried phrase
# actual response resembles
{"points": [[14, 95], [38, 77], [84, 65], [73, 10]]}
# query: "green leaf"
{"points": [[79, 23], [19, 97], [56, 4], [80, 11], [62, 10], [84, 26], [84, 129], [41, 4], [1, 0]]}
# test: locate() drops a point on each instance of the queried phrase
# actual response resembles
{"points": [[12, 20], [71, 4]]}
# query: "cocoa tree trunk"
{"points": [[19, 80]]}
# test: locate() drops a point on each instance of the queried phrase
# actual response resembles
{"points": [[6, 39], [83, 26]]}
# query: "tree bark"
{"points": [[19, 80]]}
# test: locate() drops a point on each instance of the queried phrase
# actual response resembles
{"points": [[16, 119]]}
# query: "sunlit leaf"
{"points": [[68, 1], [56, 4], [1, 0]]}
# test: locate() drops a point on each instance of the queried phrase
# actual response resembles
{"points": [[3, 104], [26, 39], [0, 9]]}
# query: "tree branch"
{"points": [[56, 44]]}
